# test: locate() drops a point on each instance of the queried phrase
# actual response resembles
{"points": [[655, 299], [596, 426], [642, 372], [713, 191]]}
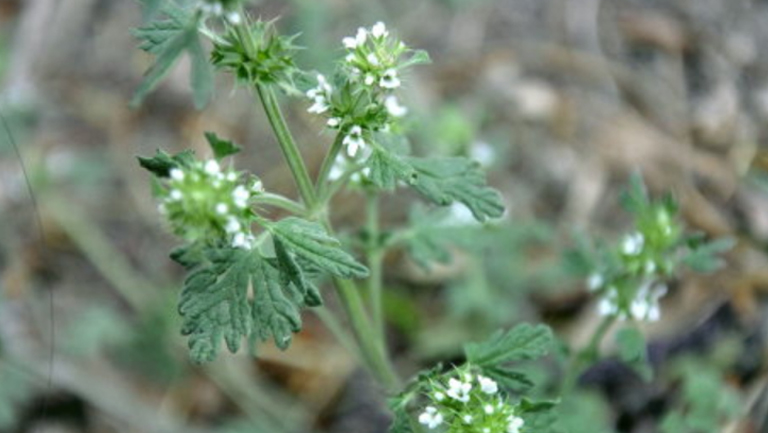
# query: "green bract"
{"points": [[256, 54]]}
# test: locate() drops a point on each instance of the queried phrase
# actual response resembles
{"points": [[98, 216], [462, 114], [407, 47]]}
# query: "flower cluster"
{"points": [[469, 403], [226, 9], [630, 281], [202, 201], [362, 102]]}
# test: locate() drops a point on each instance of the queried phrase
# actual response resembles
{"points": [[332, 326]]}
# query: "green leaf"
{"points": [[294, 274], [149, 8], [635, 199], [631, 346], [168, 39], [509, 379], [522, 342], [418, 57], [705, 258], [447, 180], [309, 241], [387, 168], [161, 164], [215, 305], [221, 148], [401, 422]]}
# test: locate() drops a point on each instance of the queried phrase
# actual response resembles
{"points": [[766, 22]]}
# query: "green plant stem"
{"points": [[325, 168], [368, 340], [279, 201], [287, 145], [375, 257], [581, 359]]}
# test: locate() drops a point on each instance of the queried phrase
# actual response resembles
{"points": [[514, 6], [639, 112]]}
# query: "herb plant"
{"points": [[249, 276]]}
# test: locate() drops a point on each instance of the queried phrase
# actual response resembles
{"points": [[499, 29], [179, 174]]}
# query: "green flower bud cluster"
{"points": [[361, 99], [203, 202], [630, 278], [255, 53], [464, 402]]}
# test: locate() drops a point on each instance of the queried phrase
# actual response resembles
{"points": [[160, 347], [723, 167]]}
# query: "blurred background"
{"points": [[560, 99]]}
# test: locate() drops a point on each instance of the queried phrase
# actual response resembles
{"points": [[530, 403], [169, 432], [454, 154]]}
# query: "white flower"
{"points": [[354, 140], [389, 79], [337, 169], [439, 396], [240, 196], [177, 174], [459, 390], [488, 385], [242, 240], [257, 186], [379, 30], [515, 424], [431, 417], [483, 153], [319, 106], [333, 122], [356, 41], [467, 419], [372, 59], [488, 409], [212, 167], [350, 57], [633, 244], [393, 106], [231, 176], [607, 305], [222, 208], [650, 267], [369, 79], [595, 281], [486, 430], [234, 18], [322, 84], [175, 195], [232, 226]]}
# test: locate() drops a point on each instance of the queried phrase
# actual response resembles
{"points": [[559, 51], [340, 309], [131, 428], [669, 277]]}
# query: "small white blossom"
{"points": [[240, 196], [486, 430], [212, 167], [232, 226], [488, 385], [257, 186], [607, 305], [369, 79], [650, 267], [393, 106], [356, 41], [439, 396], [483, 153], [373, 59], [175, 195], [431, 417], [379, 30], [319, 106], [467, 419], [515, 424], [222, 208], [234, 18], [231, 176], [242, 240], [333, 122], [459, 390], [177, 174], [389, 79], [350, 57], [354, 140], [633, 244], [489, 409], [337, 169], [595, 281]]}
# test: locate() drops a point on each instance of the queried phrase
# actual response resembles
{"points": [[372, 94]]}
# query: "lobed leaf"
{"points": [[522, 342], [309, 241], [221, 148]]}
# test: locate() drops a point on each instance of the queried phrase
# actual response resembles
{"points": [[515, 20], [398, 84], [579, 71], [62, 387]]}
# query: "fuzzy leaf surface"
{"points": [[215, 304], [309, 241], [522, 342]]}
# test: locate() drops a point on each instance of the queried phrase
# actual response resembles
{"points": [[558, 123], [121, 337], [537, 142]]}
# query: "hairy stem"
{"points": [[287, 145], [279, 201], [375, 257], [368, 340], [325, 168], [581, 359]]}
